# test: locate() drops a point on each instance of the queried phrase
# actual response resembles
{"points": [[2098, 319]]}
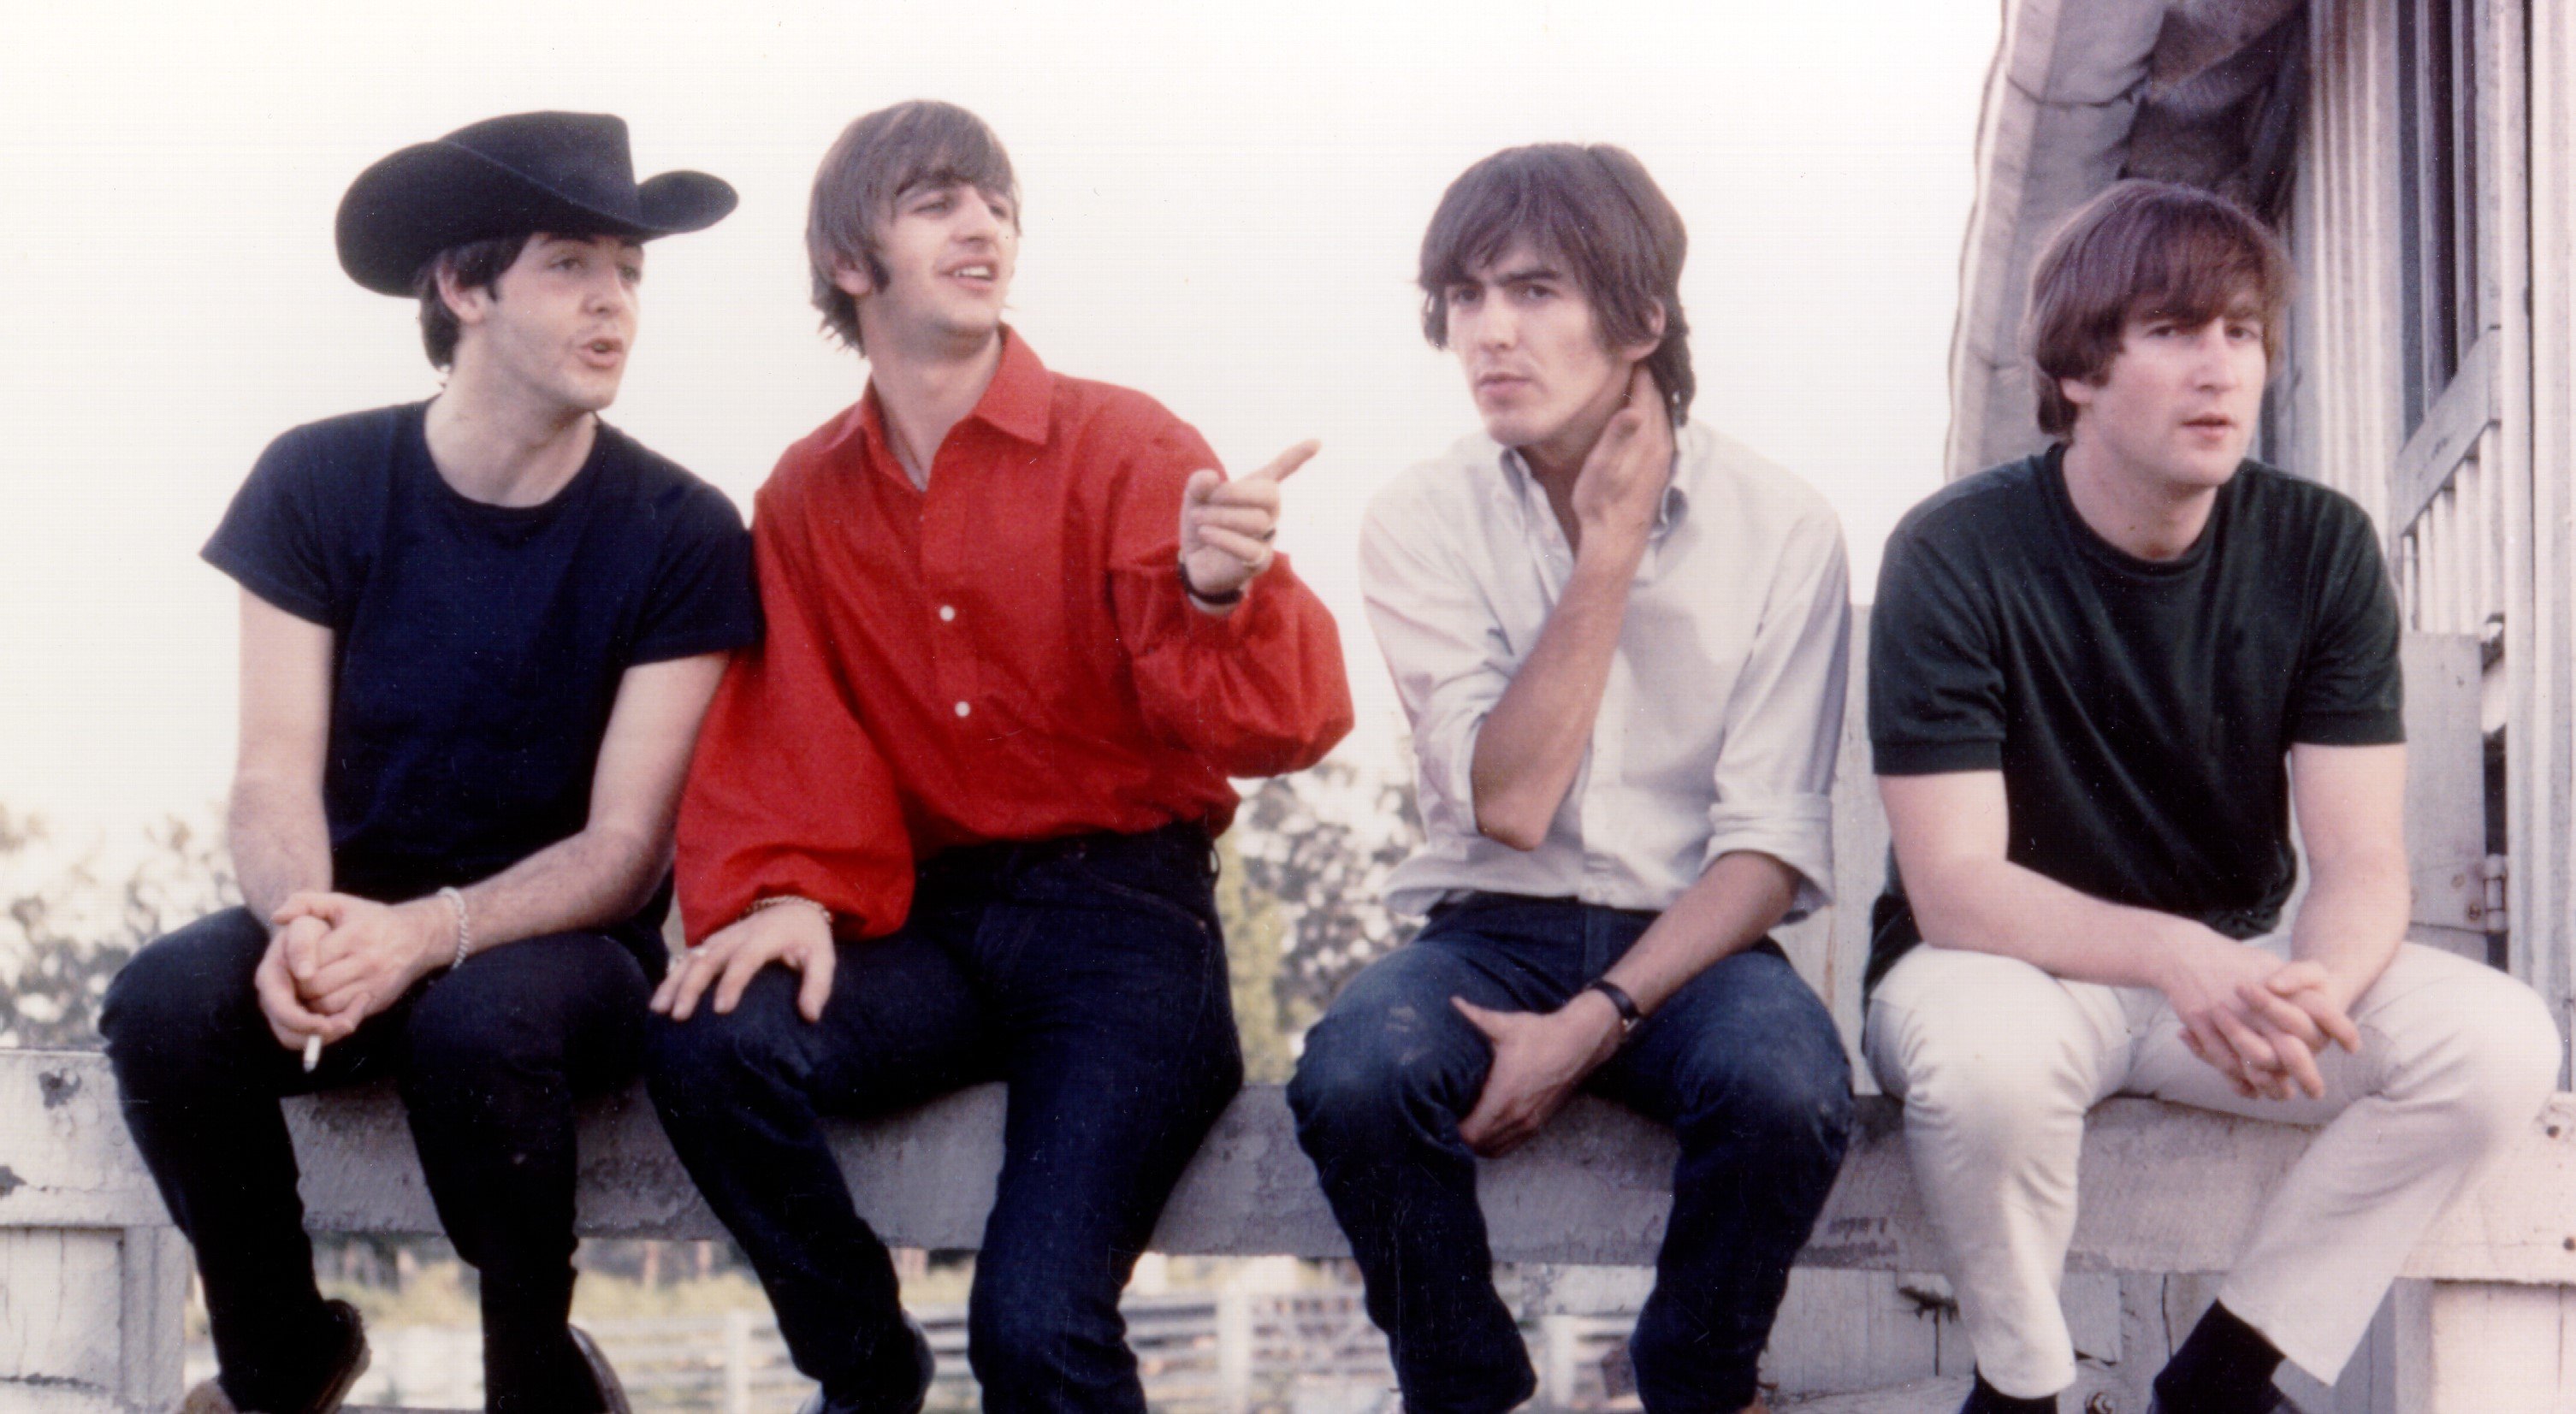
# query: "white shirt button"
{"points": [[947, 613], [963, 709]]}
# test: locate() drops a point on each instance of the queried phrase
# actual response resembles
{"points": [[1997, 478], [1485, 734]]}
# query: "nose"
{"points": [[1490, 324], [976, 221], [609, 292], [2217, 363]]}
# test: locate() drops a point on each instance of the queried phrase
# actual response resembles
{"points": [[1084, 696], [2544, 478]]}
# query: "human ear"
{"points": [[851, 280], [1644, 348], [465, 302]]}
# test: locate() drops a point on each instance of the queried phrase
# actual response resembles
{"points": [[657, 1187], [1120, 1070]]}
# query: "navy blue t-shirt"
{"points": [[478, 649]]}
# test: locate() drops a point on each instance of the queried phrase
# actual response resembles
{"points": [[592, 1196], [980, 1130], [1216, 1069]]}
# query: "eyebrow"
{"points": [[1522, 276]]}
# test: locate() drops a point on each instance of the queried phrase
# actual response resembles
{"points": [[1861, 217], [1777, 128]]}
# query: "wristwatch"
{"points": [[1629, 1015]]}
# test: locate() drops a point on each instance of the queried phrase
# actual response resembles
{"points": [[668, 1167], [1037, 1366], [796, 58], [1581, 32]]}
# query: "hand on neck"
{"points": [[502, 443], [1557, 461]]}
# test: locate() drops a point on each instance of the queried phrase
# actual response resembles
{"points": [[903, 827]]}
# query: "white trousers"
{"points": [[1997, 1063]]}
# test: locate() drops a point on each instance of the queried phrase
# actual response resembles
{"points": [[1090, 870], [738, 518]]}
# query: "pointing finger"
{"points": [[1286, 463]]}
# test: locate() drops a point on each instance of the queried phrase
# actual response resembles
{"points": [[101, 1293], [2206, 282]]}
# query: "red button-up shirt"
{"points": [[1006, 656]]}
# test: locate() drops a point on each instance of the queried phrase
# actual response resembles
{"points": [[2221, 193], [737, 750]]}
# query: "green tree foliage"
{"points": [[1253, 929], [1314, 851], [74, 917]]}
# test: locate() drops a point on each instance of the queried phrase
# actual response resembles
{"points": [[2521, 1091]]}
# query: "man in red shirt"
{"points": [[1020, 634]]}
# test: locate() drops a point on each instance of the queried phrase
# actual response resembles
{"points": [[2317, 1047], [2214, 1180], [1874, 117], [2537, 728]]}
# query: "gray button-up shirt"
{"points": [[1718, 727]]}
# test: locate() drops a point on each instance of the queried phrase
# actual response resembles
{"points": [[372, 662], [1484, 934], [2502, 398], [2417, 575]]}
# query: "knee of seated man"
{"points": [[461, 1030], [1970, 1064], [168, 1000], [1795, 1091], [2486, 1046], [706, 1056], [1375, 1075]]}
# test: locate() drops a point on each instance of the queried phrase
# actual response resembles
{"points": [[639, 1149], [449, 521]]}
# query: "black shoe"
{"points": [[612, 1394], [925, 1365], [348, 1361]]}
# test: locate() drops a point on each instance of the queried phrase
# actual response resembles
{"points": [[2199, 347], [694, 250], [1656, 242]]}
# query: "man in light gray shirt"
{"points": [[1621, 642]]}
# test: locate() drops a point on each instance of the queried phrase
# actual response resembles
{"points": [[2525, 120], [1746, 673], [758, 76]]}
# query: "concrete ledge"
{"points": [[2165, 1189]]}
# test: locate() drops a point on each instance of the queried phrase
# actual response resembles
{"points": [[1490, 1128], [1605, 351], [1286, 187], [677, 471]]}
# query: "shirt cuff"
{"points": [[1797, 830], [1445, 757]]}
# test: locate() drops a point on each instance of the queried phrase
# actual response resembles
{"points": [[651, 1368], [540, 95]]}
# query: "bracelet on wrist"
{"points": [[454, 898], [781, 900], [1227, 600]]}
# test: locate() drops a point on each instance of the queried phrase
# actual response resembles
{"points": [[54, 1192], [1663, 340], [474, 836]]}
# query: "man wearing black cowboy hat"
{"points": [[477, 637]]}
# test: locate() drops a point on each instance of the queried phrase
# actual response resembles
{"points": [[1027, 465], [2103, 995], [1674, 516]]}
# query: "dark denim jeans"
{"points": [[1087, 973], [1743, 1062], [489, 1059]]}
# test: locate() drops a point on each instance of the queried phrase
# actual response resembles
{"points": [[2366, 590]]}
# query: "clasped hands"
{"points": [[336, 959], [1226, 527], [2256, 1019]]}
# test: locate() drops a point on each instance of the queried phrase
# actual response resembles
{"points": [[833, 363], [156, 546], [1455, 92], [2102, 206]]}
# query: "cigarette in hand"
{"points": [[312, 1052]]}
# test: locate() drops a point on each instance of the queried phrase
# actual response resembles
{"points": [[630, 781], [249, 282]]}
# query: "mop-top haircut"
{"points": [[877, 159], [1595, 209], [2145, 250]]}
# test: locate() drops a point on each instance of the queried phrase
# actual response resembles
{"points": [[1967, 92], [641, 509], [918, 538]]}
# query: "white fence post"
{"points": [[1234, 1351], [1562, 1336], [737, 1349]]}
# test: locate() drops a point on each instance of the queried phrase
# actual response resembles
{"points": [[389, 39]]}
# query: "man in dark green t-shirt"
{"points": [[2099, 678]]}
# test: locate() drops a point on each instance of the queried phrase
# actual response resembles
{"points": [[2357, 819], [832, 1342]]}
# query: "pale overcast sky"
{"points": [[1223, 207]]}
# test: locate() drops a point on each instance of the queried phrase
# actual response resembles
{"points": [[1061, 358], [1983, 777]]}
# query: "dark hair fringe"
{"points": [[1593, 207], [876, 159], [2145, 248]]}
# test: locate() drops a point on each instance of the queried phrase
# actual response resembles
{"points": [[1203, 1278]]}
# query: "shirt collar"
{"points": [[1017, 403], [1517, 475]]}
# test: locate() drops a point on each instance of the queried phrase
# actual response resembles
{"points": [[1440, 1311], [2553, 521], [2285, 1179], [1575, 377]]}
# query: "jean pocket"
{"points": [[1107, 885]]}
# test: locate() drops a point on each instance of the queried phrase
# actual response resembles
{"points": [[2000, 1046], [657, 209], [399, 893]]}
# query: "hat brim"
{"points": [[426, 198]]}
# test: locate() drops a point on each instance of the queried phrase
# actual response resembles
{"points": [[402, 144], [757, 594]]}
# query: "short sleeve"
{"points": [[277, 539], [2350, 691], [704, 596], [1936, 684]]}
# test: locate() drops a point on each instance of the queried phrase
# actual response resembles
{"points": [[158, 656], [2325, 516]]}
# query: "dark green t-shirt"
{"points": [[2141, 712]]}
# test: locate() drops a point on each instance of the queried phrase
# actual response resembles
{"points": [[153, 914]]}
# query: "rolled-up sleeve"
{"points": [[1775, 771], [1443, 644]]}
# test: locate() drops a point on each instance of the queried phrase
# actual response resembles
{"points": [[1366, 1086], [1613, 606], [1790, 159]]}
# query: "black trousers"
{"points": [[489, 1059], [1089, 975]]}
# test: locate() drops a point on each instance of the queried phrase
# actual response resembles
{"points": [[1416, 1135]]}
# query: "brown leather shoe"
{"points": [[347, 1364], [612, 1394]]}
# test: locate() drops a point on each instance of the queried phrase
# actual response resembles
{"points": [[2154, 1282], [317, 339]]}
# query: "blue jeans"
{"points": [[489, 1059], [1743, 1062], [1087, 973]]}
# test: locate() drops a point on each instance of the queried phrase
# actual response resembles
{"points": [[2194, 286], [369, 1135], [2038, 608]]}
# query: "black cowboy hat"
{"points": [[568, 173]]}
